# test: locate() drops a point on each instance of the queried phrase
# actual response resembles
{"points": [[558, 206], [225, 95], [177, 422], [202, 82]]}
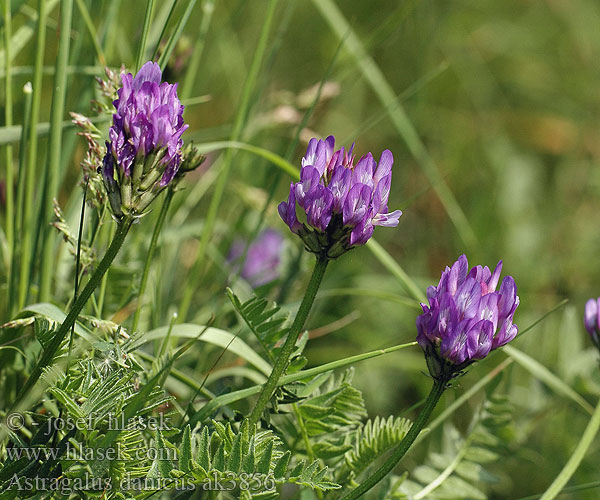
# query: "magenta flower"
{"points": [[466, 317], [342, 202], [591, 320], [145, 147], [261, 265]]}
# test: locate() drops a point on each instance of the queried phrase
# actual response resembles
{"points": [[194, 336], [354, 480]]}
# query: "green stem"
{"points": [[434, 396], [55, 145], [145, 29], [49, 352], [173, 39], [17, 253], [87, 19], [157, 228], [107, 236], [8, 114], [571, 466], [225, 399], [290, 342], [29, 225], [191, 74]]}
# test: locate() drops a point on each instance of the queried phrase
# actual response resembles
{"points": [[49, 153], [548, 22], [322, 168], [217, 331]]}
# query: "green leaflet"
{"points": [[211, 335]]}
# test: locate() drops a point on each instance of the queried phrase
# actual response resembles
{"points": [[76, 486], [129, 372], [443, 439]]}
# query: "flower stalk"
{"points": [[290, 342], [49, 352], [437, 390]]}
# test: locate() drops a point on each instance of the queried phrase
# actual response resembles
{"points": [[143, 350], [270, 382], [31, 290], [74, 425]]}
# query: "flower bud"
{"points": [[466, 318], [144, 151], [342, 202]]}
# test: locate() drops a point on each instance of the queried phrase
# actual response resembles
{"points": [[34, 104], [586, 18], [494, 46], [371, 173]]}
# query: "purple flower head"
{"points": [[261, 265], [145, 137], [591, 320], [466, 317], [341, 201]]}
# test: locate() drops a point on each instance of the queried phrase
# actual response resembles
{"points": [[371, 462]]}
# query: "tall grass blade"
{"points": [[240, 120], [17, 253], [232, 397], [8, 158], [375, 77], [89, 24], [542, 373], [27, 249], [54, 152], [172, 41], [191, 75], [392, 266], [142, 45], [575, 459], [21, 37]]}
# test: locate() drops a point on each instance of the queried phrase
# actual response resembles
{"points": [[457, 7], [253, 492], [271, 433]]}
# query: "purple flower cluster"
{"points": [[591, 319], [149, 117], [262, 258], [144, 151], [342, 201], [466, 317]]}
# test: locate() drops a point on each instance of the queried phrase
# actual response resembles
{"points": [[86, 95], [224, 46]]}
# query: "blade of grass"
{"points": [[575, 459], [8, 159], [391, 265], [570, 489], [211, 335], [445, 474], [542, 373], [164, 29], [289, 153], [53, 164], [413, 89], [207, 8], [240, 120], [232, 397], [376, 79], [32, 158], [367, 292], [87, 19], [145, 29], [22, 181], [13, 133], [274, 158], [15, 5], [172, 41], [543, 317], [178, 375], [22, 36], [108, 33]]}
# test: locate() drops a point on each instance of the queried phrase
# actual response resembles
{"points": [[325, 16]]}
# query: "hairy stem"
{"points": [[434, 396], [50, 351], [290, 342]]}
